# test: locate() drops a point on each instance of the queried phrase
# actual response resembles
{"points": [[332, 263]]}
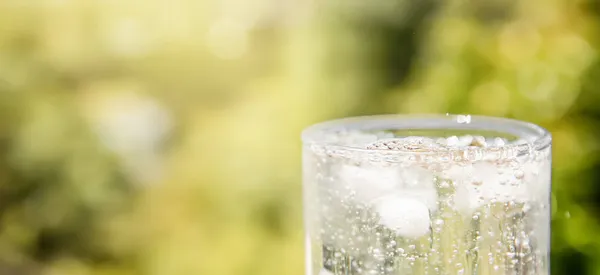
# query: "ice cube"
{"points": [[419, 183], [466, 199], [483, 182], [537, 177], [369, 183], [458, 173], [499, 183], [408, 217], [416, 176]]}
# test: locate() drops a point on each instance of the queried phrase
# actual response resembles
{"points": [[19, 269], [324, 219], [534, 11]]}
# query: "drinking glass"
{"points": [[427, 194]]}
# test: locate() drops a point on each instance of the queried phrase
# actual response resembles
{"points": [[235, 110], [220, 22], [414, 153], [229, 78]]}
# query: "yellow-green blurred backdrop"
{"points": [[162, 137]]}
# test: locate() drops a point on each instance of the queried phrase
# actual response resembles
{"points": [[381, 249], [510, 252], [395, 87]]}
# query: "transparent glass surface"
{"points": [[427, 195]]}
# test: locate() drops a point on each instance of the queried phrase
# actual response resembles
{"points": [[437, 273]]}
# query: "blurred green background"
{"points": [[163, 137]]}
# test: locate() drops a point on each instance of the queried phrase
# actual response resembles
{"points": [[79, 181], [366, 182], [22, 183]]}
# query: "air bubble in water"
{"points": [[465, 141], [499, 142], [452, 141], [519, 174]]}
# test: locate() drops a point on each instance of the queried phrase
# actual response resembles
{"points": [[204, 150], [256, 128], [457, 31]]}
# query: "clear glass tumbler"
{"points": [[433, 194]]}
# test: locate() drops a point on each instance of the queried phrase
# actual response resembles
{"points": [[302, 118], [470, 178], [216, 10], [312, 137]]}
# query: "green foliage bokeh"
{"points": [[157, 137]]}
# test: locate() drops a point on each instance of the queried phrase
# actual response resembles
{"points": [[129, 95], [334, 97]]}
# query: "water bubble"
{"points": [[465, 141], [463, 119], [519, 174], [412, 143], [452, 141], [499, 142], [378, 255], [479, 141], [444, 184]]}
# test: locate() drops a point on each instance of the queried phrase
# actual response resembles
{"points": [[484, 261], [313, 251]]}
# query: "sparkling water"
{"points": [[435, 204]]}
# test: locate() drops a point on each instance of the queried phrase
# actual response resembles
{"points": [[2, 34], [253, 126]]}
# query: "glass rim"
{"points": [[537, 138]]}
